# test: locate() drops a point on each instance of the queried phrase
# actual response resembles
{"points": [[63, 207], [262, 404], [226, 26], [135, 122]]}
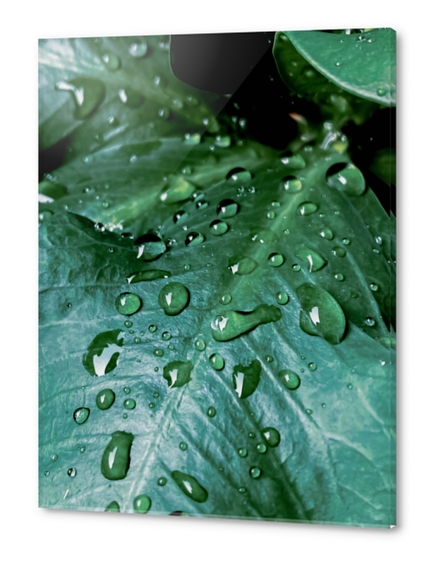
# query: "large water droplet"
{"points": [[325, 233], [218, 227], [150, 247], [271, 436], [306, 208], [227, 208], [190, 486], [178, 189], [246, 378], [128, 303], [217, 361], [265, 236], [116, 457], [238, 175], [275, 259], [180, 217], [113, 507], [111, 61], [347, 178], [312, 258], [339, 251], [173, 298], [88, 94], [148, 275], [282, 297], [242, 265], [142, 504], [105, 399], [103, 352], [232, 323], [81, 415], [131, 98], [321, 315], [177, 373], [194, 238], [291, 184], [129, 404], [293, 161]]}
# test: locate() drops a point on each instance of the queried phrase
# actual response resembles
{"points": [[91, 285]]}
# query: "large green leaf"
{"points": [[335, 460], [363, 64], [163, 106]]}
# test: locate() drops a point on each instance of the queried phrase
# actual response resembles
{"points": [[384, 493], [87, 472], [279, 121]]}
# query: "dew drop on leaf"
{"points": [[81, 415], [306, 208], [227, 208], [173, 298], [88, 94], [129, 404], [211, 412], [131, 98], [218, 227], [291, 184], [113, 507], [282, 297], [255, 472], [105, 399], [194, 238], [271, 436], [216, 361], [128, 303], [190, 486], [116, 457], [289, 379], [142, 504], [313, 259], [275, 259]]}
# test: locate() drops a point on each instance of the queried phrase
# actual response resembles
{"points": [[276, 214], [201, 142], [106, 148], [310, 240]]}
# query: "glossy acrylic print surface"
{"points": [[217, 276]]}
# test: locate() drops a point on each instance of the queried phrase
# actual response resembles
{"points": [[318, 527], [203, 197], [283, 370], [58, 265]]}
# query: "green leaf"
{"points": [[82, 97], [363, 64], [335, 459]]}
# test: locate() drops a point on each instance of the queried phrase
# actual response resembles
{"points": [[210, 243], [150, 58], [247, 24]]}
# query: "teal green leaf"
{"points": [[335, 461], [363, 64]]}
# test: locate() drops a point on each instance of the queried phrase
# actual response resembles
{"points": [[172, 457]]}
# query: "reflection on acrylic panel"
{"points": [[217, 275]]}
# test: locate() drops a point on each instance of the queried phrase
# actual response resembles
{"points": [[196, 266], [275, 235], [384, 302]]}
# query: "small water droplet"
{"points": [[370, 321], [312, 367], [162, 481], [142, 504], [261, 448], [183, 446], [255, 472], [339, 277], [225, 299], [275, 259], [211, 412], [72, 472], [158, 352], [216, 361], [81, 415]]}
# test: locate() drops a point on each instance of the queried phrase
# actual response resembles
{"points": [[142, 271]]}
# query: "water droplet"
{"points": [[339, 252], [131, 98], [275, 259], [293, 161], [225, 299], [152, 404], [296, 267], [337, 64], [116, 457], [152, 328], [129, 404], [227, 208], [271, 435], [261, 448], [242, 265], [255, 472], [312, 367], [235, 323], [192, 139], [103, 352], [177, 373], [246, 378], [251, 435], [264, 236], [349, 386], [238, 175], [321, 315], [128, 303], [72, 472], [111, 61], [82, 449], [113, 507], [142, 504], [218, 227], [291, 184], [309, 412], [211, 412], [81, 415], [306, 208], [381, 92], [88, 94], [200, 344], [289, 379], [54, 458], [312, 258], [282, 297], [171, 347], [378, 240], [46, 473], [177, 189], [374, 287], [173, 298], [271, 215], [190, 486], [216, 361], [150, 247], [354, 295], [105, 399], [346, 241], [166, 336], [162, 481], [180, 217], [326, 233], [346, 177], [158, 352], [148, 275], [126, 390], [242, 490], [194, 238], [138, 50], [370, 321]]}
